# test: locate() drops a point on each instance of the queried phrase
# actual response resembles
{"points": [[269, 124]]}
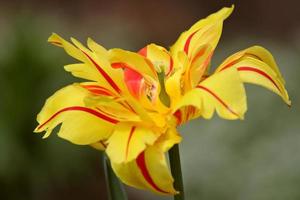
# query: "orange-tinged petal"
{"points": [[128, 141], [134, 82], [256, 65], [80, 124], [142, 87]]}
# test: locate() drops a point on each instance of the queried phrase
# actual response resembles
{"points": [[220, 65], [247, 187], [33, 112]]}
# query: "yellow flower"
{"points": [[133, 102]]}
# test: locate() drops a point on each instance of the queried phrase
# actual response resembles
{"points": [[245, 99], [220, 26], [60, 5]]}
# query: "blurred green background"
{"points": [[254, 159]]}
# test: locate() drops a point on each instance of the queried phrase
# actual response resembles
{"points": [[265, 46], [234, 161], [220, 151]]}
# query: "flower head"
{"points": [[132, 102]]}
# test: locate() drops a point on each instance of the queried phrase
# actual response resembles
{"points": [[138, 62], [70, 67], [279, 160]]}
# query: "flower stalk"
{"points": [[175, 165], [114, 186]]}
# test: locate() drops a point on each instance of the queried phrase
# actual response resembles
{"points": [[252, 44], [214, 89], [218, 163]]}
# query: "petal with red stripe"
{"points": [[256, 65], [95, 64], [223, 92], [150, 170], [99, 60], [205, 32], [80, 124], [128, 141], [69, 48]]}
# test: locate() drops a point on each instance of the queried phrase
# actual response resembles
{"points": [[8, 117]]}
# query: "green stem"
{"points": [[174, 157], [114, 186]]}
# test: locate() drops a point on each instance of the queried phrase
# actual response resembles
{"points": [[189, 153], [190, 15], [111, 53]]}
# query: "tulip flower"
{"points": [[132, 103]]}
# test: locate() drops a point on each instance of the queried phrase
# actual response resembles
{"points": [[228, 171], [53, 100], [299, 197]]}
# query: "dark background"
{"points": [[254, 159]]}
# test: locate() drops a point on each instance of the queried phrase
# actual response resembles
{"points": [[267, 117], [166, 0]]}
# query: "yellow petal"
{"points": [[173, 87], [256, 65], [106, 102], [95, 64], [223, 92], [204, 32], [128, 141], [80, 124], [150, 170], [69, 48], [174, 84], [198, 66], [167, 140], [199, 43], [99, 60], [99, 145]]}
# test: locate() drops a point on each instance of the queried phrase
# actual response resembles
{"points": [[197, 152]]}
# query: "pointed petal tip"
{"points": [[289, 103], [55, 39], [90, 40], [36, 130], [52, 36], [229, 10]]}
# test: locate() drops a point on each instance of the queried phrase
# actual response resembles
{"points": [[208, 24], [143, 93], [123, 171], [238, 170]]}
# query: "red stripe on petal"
{"points": [[98, 90], [171, 66], [199, 54], [56, 43], [127, 105], [252, 69], [218, 98], [79, 108], [230, 64], [128, 141], [106, 113], [103, 73], [188, 41], [143, 168]]}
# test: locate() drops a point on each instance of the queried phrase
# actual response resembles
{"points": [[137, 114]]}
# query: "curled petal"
{"points": [[256, 65]]}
